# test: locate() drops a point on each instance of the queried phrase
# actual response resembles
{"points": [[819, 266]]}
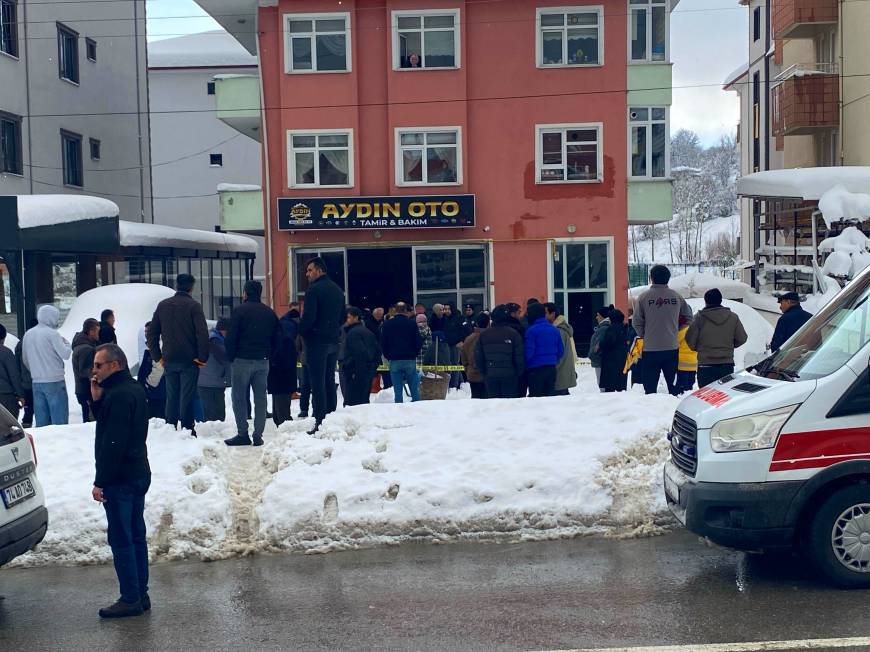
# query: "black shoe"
{"points": [[26, 424], [258, 441], [302, 415], [193, 433], [316, 427], [238, 440], [146, 602], [122, 610]]}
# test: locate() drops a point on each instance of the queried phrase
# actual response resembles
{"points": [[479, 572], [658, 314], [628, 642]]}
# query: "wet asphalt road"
{"points": [[587, 592]]}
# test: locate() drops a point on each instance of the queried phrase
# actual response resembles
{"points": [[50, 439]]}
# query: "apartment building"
{"points": [[470, 152]]}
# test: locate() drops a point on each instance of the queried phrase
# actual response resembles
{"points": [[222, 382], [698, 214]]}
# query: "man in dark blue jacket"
{"points": [[793, 317], [401, 343], [543, 351]]}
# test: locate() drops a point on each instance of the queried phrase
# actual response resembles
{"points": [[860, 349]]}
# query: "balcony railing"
{"points": [[806, 98], [802, 18]]}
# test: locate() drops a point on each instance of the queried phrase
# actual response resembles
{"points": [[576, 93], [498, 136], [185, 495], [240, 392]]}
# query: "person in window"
{"points": [[446, 174], [414, 60]]}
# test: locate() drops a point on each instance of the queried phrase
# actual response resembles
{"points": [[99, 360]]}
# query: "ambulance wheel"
{"points": [[839, 537]]}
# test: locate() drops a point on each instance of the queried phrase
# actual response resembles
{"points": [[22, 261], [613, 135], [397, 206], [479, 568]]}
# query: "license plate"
{"points": [[18, 493], [672, 489]]}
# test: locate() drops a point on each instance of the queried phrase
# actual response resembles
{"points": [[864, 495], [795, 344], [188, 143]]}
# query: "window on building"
{"points": [[570, 36], [216, 160], [450, 275], [320, 159], [427, 39], [756, 24], [95, 149], [73, 174], [91, 49], [581, 285], [429, 157], [68, 53], [10, 144], [9, 27], [318, 43], [648, 140], [569, 153], [209, 88], [648, 30]]}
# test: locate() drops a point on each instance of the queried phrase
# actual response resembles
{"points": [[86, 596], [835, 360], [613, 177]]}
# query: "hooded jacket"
{"points": [[83, 351], [595, 342], [44, 349], [543, 345], [714, 334], [566, 369], [217, 372]]}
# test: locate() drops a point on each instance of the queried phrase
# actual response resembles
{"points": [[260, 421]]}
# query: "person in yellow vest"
{"points": [[687, 366]]}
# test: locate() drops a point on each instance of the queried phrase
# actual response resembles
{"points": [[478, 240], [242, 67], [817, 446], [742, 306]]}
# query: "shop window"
{"points": [[425, 40], [73, 174], [9, 27], [429, 157], [570, 36], [581, 285], [317, 43], [68, 53], [91, 49], [648, 30], [320, 159], [450, 275], [648, 140], [10, 144], [569, 153]]}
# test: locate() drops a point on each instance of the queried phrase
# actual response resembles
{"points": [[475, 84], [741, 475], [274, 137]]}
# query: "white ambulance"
{"points": [[778, 455]]}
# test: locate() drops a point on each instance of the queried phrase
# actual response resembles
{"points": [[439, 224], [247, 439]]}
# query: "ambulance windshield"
{"points": [[827, 341]]}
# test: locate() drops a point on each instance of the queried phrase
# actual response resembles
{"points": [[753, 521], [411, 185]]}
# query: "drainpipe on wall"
{"points": [[267, 195], [139, 115], [842, 85], [27, 93]]}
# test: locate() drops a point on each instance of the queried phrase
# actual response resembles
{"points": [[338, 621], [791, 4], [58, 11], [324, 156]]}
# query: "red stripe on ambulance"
{"points": [[820, 448]]}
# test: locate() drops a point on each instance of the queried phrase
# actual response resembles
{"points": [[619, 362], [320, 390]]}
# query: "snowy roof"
{"points": [[679, 169], [47, 210], [135, 234], [736, 74], [838, 203], [804, 183], [214, 49], [237, 187]]}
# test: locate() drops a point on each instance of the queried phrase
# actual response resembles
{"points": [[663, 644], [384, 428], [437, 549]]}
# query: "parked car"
{"points": [[23, 516]]}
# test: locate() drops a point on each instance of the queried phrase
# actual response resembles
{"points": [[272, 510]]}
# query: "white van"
{"points": [[23, 517], [778, 455]]}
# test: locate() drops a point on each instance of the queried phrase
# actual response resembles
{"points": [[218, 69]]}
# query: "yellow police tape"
{"points": [[425, 367]]}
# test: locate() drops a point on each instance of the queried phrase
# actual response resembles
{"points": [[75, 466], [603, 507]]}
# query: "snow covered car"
{"points": [[778, 455], [23, 517]]}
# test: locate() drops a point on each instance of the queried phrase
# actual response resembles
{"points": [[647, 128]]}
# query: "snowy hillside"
{"points": [[667, 247]]}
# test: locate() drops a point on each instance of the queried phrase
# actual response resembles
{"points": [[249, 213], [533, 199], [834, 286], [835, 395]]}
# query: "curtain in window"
{"points": [[334, 167]]}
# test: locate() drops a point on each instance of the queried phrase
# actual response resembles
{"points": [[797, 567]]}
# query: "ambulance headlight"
{"points": [[749, 433]]}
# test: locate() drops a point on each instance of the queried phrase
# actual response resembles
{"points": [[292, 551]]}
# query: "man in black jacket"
{"points": [[360, 357], [122, 474], [11, 390], [499, 356], [253, 336], [322, 316], [180, 323], [401, 343], [107, 327], [793, 317], [84, 346]]}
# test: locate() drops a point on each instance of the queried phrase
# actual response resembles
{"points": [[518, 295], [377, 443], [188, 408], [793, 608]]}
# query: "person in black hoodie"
{"points": [[614, 350], [454, 334], [26, 381], [360, 357], [322, 316], [282, 368], [107, 327], [253, 337], [401, 343], [123, 475], [499, 355], [84, 346]]}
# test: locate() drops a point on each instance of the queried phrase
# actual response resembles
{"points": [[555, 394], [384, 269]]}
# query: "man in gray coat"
{"points": [[656, 320], [714, 334]]}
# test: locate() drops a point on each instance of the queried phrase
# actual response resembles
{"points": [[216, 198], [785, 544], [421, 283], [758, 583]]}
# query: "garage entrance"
{"points": [[379, 277]]}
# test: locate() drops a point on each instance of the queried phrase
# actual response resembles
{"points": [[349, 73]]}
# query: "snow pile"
{"points": [[848, 255], [48, 210], [135, 234], [695, 284], [758, 330], [381, 474], [840, 204], [238, 187]]}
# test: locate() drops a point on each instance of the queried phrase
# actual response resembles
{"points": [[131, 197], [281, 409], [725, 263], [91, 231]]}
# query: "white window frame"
{"points": [[648, 124], [400, 172], [610, 290], [288, 43], [539, 37], [539, 151], [648, 8], [291, 157], [422, 13]]}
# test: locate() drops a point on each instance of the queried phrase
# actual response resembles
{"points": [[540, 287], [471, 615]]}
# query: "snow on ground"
{"points": [[662, 247], [695, 284], [507, 470]]}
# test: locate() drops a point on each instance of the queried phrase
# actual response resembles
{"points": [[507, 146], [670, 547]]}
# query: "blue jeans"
{"points": [[248, 375], [181, 380], [125, 506], [50, 404], [402, 372]]}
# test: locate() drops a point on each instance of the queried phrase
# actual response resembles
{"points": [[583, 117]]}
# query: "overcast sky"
{"points": [[708, 41]]}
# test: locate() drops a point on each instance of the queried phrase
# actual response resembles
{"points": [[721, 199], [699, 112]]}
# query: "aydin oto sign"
{"points": [[402, 212]]}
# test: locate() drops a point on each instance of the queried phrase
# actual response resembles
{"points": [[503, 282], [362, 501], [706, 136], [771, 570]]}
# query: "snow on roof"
{"points": [[47, 210], [736, 74], [695, 284], [677, 169], [237, 187], [838, 203], [804, 183], [215, 49], [135, 234]]}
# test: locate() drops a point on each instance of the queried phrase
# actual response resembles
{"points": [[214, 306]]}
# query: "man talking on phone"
{"points": [[123, 475]]}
